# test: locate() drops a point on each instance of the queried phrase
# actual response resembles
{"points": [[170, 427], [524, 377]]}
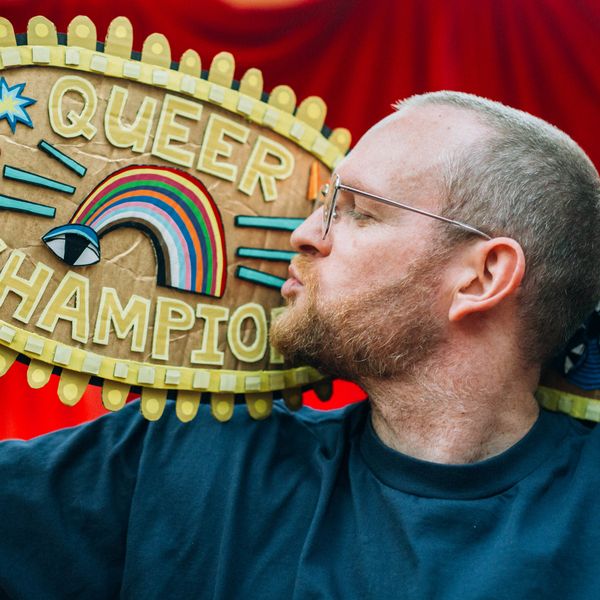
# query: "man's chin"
{"points": [[294, 334]]}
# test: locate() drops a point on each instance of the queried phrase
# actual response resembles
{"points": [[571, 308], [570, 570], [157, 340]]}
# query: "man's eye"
{"points": [[356, 215]]}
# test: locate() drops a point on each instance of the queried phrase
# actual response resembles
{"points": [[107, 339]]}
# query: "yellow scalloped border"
{"points": [[579, 407], [301, 124], [133, 373], [119, 376]]}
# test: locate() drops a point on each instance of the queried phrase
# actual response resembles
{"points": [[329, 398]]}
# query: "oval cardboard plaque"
{"points": [[145, 211]]}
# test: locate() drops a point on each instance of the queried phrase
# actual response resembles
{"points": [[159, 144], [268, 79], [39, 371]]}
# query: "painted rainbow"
{"points": [[177, 213]]}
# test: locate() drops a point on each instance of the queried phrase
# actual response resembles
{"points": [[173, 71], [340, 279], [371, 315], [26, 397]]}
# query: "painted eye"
{"points": [[77, 245]]}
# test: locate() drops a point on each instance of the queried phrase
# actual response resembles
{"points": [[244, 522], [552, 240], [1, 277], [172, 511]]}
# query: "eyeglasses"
{"points": [[329, 196]]}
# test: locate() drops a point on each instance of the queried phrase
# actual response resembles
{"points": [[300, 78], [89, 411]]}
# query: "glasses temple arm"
{"points": [[420, 211]]}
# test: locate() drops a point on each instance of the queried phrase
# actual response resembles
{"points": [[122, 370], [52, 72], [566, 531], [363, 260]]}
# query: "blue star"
{"points": [[12, 104]]}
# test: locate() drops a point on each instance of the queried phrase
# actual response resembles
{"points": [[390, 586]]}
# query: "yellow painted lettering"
{"points": [[134, 136], [133, 318], [238, 335], [169, 130], [268, 161], [214, 145], [171, 315], [70, 302], [29, 289], [209, 353], [74, 123]]}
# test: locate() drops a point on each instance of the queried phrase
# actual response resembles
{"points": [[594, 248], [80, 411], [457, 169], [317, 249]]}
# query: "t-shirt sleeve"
{"points": [[64, 508]]}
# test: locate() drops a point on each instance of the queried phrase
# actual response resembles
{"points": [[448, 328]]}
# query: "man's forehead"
{"points": [[411, 144], [435, 128]]}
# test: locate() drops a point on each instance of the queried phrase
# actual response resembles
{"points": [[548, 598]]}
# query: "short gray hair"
{"points": [[530, 181]]}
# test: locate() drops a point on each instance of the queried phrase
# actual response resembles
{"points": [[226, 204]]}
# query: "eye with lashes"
{"points": [[352, 212], [357, 215]]}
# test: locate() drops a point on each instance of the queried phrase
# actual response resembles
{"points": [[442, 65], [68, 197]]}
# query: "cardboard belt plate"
{"points": [[145, 214]]}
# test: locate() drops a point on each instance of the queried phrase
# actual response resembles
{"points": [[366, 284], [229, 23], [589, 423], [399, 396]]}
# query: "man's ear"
{"points": [[491, 271]]}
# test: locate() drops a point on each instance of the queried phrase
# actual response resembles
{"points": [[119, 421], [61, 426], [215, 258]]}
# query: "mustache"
{"points": [[303, 269], [303, 266]]}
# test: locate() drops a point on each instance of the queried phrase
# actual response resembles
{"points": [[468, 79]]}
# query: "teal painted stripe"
{"points": [[33, 179], [32, 208], [280, 223], [265, 254], [69, 162], [259, 277]]}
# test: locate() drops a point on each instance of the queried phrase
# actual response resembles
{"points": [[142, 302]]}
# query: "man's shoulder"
{"points": [[576, 443], [586, 432], [301, 431], [127, 426], [303, 427], [316, 420]]}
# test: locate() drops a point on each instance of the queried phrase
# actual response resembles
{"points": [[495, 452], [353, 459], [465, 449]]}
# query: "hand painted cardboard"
{"points": [[145, 214]]}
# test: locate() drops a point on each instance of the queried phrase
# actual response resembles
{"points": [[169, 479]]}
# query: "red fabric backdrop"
{"points": [[359, 56]]}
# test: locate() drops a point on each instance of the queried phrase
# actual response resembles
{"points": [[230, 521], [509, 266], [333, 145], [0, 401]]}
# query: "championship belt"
{"points": [[572, 382], [145, 214]]}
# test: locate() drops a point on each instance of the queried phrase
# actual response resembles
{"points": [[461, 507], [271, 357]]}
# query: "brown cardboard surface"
{"points": [[128, 262]]}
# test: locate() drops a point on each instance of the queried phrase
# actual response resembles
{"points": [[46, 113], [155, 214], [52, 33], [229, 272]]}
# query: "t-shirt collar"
{"points": [[469, 481]]}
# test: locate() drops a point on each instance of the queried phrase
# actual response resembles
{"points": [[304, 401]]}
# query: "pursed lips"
{"points": [[293, 273], [294, 282]]}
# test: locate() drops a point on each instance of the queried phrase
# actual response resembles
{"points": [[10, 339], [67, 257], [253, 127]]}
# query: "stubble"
{"points": [[384, 333]]}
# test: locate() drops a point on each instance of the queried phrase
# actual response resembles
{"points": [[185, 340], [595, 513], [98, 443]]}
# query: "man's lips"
{"points": [[292, 283], [294, 274]]}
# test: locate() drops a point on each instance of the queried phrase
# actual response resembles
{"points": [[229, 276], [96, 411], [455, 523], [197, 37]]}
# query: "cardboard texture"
{"points": [[145, 219]]}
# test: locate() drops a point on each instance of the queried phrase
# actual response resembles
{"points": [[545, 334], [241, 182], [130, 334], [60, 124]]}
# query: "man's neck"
{"points": [[452, 420]]}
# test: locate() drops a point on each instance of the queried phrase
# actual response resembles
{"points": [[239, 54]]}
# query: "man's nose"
{"points": [[308, 237]]}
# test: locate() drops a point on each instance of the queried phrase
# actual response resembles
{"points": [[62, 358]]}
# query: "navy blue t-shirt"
{"points": [[300, 506]]}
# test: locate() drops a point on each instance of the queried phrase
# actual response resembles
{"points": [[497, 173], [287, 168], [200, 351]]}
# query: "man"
{"points": [[455, 251]]}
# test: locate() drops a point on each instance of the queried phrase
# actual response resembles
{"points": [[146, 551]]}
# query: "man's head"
{"points": [[512, 176], [529, 181]]}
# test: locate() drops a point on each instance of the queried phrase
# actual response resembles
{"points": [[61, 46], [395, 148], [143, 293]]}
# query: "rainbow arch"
{"points": [[177, 213]]}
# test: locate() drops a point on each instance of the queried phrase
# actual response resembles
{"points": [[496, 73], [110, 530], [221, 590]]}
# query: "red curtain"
{"points": [[360, 56]]}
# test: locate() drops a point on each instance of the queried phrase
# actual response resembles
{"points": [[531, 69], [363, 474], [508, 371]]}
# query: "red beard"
{"points": [[383, 333]]}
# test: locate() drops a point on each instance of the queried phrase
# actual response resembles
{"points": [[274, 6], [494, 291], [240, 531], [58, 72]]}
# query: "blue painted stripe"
{"points": [[67, 161], [259, 277], [32, 208], [265, 254], [279, 223], [587, 375], [33, 179]]}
